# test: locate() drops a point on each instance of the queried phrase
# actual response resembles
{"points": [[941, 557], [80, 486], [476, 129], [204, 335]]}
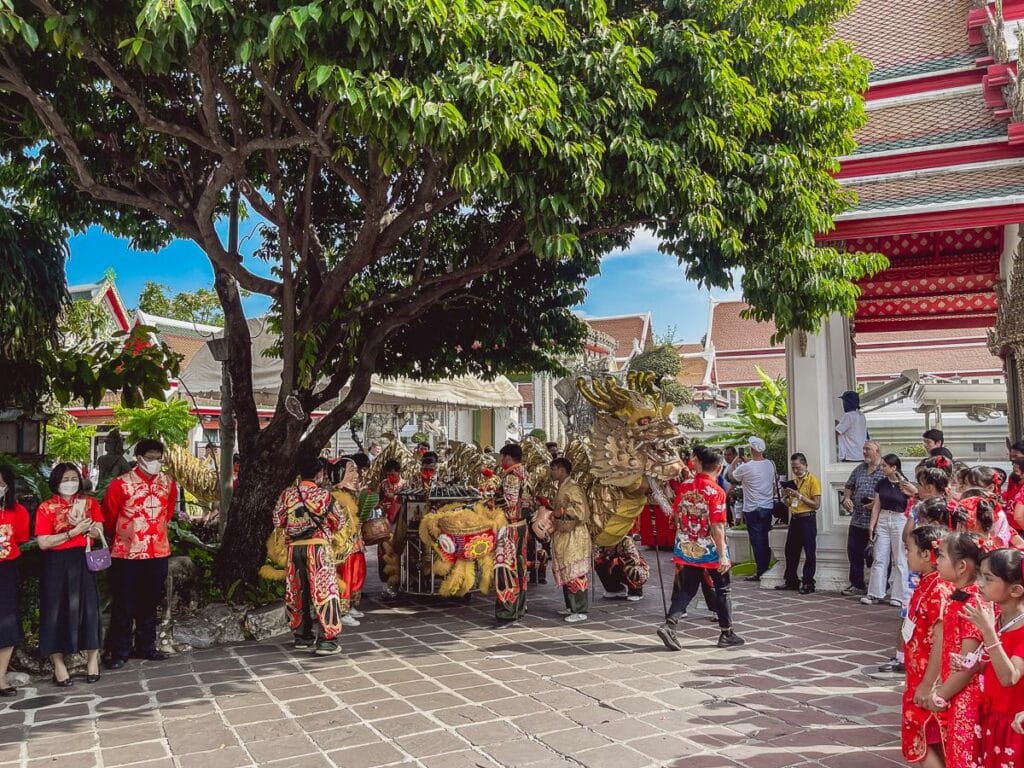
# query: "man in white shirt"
{"points": [[758, 478], [852, 428]]}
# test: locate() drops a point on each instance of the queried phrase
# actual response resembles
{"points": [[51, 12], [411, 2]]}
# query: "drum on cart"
{"points": [[416, 569]]}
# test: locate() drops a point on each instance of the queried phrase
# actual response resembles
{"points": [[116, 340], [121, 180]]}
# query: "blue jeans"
{"points": [[759, 522]]}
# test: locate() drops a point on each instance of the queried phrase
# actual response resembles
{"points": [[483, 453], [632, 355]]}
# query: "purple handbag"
{"points": [[97, 559]]}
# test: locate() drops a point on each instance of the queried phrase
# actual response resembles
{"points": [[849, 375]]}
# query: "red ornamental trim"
{"points": [[936, 82], [956, 246], [929, 158], [931, 221], [924, 323], [928, 286], [977, 18], [115, 306], [927, 305]]}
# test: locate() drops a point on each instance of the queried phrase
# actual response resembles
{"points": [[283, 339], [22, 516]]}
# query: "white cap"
{"points": [[757, 444]]}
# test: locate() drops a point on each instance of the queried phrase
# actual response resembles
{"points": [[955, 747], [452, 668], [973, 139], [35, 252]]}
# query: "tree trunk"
{"points": [[263, 475]]}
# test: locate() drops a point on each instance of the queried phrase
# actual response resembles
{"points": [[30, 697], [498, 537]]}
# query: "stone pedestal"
{"points": [[819, 368]]}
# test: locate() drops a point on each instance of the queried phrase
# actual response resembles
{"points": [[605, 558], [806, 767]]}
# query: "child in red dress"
{"points": [[1002, 582], [958, 697], [922, 634]]}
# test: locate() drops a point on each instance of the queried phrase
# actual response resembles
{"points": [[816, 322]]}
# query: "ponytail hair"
{"points": [[935, 511], [962, 545], [1007, 564], [927, 538]]}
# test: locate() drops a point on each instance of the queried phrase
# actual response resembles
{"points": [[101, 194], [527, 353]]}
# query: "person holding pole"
{"points": [[700, 516]]}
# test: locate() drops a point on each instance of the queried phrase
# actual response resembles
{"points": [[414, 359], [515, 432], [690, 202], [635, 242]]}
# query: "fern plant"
{"points": [[169, 422], [70, 443]]}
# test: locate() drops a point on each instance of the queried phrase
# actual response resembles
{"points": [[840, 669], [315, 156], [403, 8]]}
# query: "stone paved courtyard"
{"points": [[429, 684]]}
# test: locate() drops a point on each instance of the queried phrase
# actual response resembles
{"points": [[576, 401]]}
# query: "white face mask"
{"points": [[151, 466], [3, 492], [68, 488]]}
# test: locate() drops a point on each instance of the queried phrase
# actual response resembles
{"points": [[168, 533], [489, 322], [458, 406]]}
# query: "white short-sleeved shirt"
{"points": [[853, 433], [758, 481]]}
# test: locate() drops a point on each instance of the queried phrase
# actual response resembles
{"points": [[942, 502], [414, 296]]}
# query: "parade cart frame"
{"points": [[416, 559]]}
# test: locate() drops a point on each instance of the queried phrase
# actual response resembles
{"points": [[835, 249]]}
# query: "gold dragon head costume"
{"points": [[630, 448]]}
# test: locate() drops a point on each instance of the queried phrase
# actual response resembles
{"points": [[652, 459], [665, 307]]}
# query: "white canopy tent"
{"points": [[202, 378]]}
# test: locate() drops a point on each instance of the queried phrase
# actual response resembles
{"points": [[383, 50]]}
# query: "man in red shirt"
{"points": [[137, 507], [700, 549]]}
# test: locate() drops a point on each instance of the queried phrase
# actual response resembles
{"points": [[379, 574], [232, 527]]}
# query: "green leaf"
{"points": [[29, 35]]}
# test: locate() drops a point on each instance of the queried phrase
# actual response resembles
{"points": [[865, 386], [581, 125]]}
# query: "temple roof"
{"points": [[910, 37], [944, 188], [625, 329], [947, 117]]}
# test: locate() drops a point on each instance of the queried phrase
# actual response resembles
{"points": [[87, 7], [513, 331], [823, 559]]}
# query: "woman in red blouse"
{"points": [[13, 531], [69, 600]]}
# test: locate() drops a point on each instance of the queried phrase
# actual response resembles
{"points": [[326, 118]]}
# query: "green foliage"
{"points": [[31, 484], [762, 412], [439, 179], [691, 422], [168, 421], [33, 293], [199, 306], [419, 437], [663, 360], [539, 434], [85, 323], [71, 443]]}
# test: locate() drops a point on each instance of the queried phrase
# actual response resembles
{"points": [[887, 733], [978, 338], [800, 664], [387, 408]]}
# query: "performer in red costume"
{"points": [[510, 557]]}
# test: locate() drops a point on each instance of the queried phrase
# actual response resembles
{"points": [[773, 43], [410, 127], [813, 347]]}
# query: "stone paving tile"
{"points": [[427, 684]]}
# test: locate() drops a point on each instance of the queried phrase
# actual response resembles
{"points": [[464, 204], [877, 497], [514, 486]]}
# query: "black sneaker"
{"points": [[327, 648], [786, 587], [806, 590], [730, 640], [894, 667], [668, 637], [752, 578], [303, 643]]}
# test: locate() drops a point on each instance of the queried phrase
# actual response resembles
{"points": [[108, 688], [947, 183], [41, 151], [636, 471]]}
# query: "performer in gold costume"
{"points": [[569, 517]]}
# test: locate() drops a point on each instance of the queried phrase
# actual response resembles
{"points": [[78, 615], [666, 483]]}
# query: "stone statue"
{"points": [[113, 463]]}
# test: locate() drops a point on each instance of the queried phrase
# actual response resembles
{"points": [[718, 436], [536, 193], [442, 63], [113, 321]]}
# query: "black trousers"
{"points": [[801, 537], [136, 589], [688, 581], [856, 543]]}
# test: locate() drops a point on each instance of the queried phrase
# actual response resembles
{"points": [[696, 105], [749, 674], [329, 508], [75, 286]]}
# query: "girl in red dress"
{"points": [[922, 633], [958, 696], [1002, 582]]}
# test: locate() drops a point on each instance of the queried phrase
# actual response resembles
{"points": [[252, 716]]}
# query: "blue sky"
{"points": [[638, 279]]}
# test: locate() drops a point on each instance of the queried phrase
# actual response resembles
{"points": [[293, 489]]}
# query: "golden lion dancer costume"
{"points": [[570, 545], [510, 557], [309, 518], [390, 503], [622, 568], [349, 552], [137, 508]]}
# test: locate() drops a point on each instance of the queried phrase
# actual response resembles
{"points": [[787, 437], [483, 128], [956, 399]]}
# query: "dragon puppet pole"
{"points": [[662, 502]]}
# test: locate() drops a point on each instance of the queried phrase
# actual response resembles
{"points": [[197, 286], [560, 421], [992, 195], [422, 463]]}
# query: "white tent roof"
{"points": [[202, 378]]}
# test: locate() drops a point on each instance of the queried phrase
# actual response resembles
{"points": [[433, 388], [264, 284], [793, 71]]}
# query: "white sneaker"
{"points": [[349, 620], [896, 603], [869, 600], [355, 613], [634, 598], [575, 618], [565, 612], [614, 595]]}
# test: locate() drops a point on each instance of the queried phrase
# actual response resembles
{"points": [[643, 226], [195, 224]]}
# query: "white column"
{"points": [[816, 375]]}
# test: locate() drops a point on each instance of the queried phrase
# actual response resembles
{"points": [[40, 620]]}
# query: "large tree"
{"points": [[438, 177], [43, 363]]}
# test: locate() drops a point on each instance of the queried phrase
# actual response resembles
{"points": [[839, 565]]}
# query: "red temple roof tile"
{"points": [[910, 37]]}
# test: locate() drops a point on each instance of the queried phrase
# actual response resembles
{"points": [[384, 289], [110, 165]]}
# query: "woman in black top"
{"points": [[888, 518]]}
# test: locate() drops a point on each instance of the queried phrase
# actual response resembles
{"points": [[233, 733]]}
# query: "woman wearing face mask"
{"points": [[13, 531], [69, 601]]}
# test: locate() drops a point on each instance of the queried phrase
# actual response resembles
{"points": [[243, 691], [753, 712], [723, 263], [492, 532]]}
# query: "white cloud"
{"points": [[644, 241]]}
